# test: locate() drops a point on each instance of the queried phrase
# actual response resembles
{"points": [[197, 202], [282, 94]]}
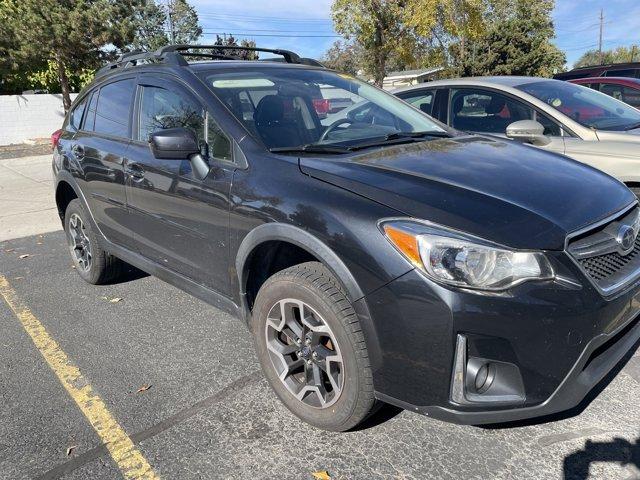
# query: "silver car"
{"points": [[577, 121]]}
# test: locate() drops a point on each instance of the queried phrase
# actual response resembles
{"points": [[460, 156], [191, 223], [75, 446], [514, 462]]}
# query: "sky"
{"points": [[305, 26]]}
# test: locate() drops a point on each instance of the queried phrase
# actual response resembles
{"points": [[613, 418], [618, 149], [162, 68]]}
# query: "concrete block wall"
{"points": [[24, 117]]}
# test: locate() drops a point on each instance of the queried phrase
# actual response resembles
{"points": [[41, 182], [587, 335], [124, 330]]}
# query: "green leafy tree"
{"points": [[150, 23], [72, 35], [184, 26], [343, 57], [230, 41], [516, 42], [376, 26], [617, 55]]}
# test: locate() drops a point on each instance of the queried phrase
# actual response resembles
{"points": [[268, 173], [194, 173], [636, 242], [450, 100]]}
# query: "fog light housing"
{"points": [[481, 381]]}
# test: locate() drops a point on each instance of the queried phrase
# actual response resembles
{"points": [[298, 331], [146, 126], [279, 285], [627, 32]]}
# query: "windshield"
{"points": [[585, 105], [288, 108]]}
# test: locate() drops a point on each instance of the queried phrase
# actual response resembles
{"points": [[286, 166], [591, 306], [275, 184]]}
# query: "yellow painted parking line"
{"points": [[128, 458]]}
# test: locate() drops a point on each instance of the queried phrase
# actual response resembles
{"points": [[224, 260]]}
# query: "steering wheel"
{"points": [[333, 126]]}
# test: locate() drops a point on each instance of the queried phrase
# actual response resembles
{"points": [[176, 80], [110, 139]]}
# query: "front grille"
{"points": [[600, 257], [603, 267]]}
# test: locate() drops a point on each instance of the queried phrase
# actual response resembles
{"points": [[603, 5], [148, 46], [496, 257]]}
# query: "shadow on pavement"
{"points": [[619, 450]]}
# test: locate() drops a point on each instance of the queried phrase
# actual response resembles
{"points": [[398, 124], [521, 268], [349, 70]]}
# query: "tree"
{"points": [[72, 35], [230, 41], [618, 55], [447, 26], [343, 56], [376, 26], [183, 22], [516, 42], [150, 23]]}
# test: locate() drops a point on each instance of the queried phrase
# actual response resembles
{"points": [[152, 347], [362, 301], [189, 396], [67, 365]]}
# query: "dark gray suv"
{"points": [[379, 258]]}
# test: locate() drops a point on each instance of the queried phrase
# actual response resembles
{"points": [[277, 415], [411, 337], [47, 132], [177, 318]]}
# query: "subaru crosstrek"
{"points": [[380, 257]]}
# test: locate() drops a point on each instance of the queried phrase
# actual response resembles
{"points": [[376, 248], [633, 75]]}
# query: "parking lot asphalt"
{"points": [[181, 379]]}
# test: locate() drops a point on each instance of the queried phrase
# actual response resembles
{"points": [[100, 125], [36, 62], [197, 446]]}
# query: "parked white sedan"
{"points": [[577, 121]]}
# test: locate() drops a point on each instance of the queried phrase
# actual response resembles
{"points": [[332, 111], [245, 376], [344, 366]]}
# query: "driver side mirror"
{"points": [[174, 144], [528, 131]]}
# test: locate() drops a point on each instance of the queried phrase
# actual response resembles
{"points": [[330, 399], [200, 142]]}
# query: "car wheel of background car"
{"points": [[92, 263], [312, 349]]}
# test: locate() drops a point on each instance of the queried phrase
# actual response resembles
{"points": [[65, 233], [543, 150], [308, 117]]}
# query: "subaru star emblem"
{"points": [[626, 238]]}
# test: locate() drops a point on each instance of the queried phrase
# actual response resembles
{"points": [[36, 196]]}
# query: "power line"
{"points": [[269, 35]]}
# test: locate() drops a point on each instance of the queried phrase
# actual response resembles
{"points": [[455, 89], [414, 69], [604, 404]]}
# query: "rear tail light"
{"points": [[55, 138], [322, 105]]}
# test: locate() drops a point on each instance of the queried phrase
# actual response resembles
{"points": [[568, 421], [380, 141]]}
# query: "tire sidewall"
{"points": [[92, 274], [339, 413]]}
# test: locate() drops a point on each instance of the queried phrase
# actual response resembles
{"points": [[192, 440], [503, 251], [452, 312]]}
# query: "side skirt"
{"points": [[205, 294]]}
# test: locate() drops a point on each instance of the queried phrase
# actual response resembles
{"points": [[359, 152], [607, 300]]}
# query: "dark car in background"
{"points": [[620, 88], [382, 257], [631, 70]]}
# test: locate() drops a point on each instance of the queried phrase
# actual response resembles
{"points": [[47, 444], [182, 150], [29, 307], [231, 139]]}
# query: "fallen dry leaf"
{"points": [[24, 256], [321, 475], [38, 243], [143, 388], [115, 300], [71, 449], [9, 250]]}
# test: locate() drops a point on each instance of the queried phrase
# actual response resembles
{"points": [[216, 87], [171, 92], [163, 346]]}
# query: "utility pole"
{"points": [[600, 41], [172, 39]]}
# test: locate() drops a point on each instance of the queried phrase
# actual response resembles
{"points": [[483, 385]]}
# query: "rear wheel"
{"points": [[92, 263], [312, 349]]}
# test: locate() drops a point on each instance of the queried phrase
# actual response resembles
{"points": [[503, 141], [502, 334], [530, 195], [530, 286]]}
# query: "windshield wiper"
{"points": [[431, 133], [312, 148]]}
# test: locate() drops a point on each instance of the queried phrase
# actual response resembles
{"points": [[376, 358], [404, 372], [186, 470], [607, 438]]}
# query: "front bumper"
{"points": [[562, 337]]}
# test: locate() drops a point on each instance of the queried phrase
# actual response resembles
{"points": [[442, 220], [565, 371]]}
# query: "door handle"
{"points": [[135, 171], [78, 151]]}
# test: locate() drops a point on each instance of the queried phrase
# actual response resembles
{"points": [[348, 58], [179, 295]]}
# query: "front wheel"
{"points": [[312, 349]]}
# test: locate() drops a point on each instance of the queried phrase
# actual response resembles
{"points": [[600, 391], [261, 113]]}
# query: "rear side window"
{"points": [[477, 110], [628, 95], [114, 104], [629, 72], [90, 116], [75, 118]]}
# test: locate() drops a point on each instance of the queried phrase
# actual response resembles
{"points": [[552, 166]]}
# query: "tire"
{"points": [[98, 267], [337, 336]]}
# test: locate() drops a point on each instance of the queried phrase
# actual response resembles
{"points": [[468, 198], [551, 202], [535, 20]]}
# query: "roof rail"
{"points": [[289, 56], [174, 55]]}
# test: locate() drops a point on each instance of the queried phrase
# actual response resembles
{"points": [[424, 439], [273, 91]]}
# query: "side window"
{"points": [[551, 128], [90, 116], [114, 104], [612, 90], [219, 144], [478, 110], [161, 109], [631, 96], [630, 72], [75, 117], [422, 100]]}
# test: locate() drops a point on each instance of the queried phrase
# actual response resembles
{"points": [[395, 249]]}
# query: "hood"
{"points": [[508, 193], [630, 137]]}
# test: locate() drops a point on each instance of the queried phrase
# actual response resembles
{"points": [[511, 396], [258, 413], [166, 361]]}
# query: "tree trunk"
{"points": [[64, 82]]}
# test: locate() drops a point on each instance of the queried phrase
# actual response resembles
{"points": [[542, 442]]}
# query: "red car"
{"points": [[622, 88]]}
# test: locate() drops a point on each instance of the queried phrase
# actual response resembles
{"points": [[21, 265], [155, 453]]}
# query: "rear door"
{"points": [[100, 148], [180, 221]]}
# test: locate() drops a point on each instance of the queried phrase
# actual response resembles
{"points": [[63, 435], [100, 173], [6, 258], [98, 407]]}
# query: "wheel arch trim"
{"points": [[303, 239]]}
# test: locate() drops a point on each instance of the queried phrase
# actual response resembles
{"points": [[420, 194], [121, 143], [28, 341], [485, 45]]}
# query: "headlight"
{"points": [[454, 258]]}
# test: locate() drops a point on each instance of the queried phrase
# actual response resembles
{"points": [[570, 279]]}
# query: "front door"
{"points": [[180, 222], [486, 111]]}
